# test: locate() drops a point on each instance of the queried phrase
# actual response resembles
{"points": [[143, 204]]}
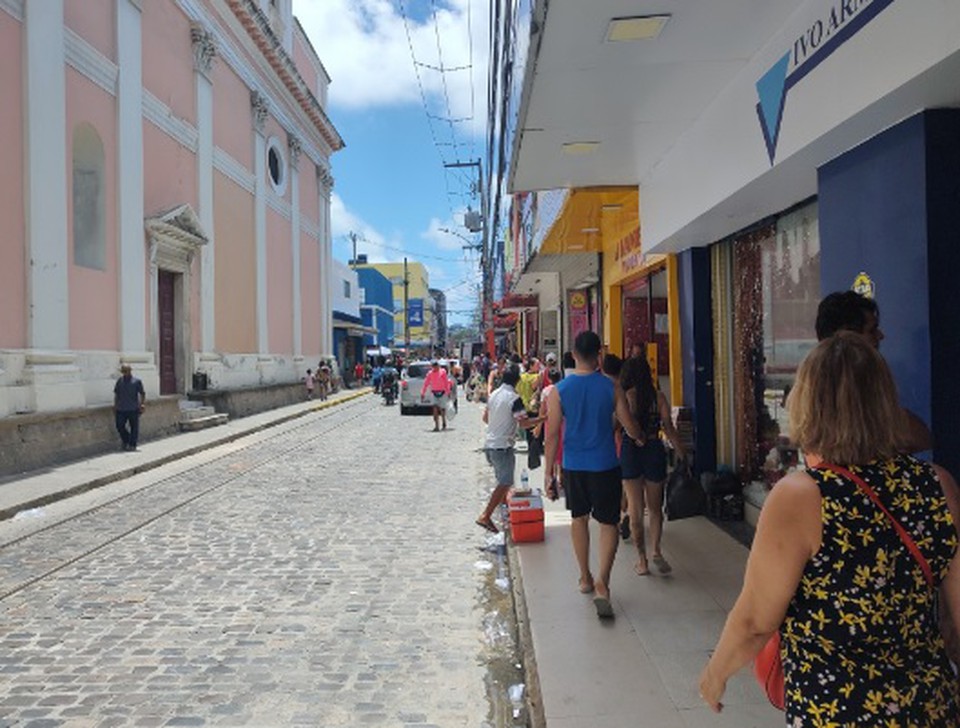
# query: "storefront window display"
{"points": [[777, 290], [645, 319]]}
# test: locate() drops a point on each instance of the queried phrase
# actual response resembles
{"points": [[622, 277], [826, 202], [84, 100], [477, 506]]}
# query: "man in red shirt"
{"points": [[358, 373]]}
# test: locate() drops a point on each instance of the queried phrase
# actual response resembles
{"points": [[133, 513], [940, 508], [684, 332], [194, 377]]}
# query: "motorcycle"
{"points": [[389, 390]]}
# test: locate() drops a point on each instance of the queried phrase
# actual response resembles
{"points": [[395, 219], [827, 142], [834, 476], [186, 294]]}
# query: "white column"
{"points": [[46, 170], [132, 242], [204, 52], [259, 104], [294, 145], [50, 371], [326, 264]]}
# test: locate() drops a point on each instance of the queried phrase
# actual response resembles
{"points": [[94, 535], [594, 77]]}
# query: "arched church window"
{"points": [[89, 199]]}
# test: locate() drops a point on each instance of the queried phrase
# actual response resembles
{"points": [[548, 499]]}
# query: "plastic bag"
{"points": [[451, 411], [684, 497]]}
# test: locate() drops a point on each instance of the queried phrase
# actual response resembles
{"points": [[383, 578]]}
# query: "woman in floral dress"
{"points": [[860, 640]]}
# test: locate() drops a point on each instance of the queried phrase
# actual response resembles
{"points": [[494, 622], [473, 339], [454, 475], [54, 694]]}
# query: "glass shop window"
{"points": [[790, 280]]}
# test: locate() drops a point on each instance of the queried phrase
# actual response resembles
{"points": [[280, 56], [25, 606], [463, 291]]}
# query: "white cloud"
{"points": [[371, 241], [448, 234], [457, 278], [364, 46]]}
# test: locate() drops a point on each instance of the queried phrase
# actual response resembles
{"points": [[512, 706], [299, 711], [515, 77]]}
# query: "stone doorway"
{"points": [[175, 238]]}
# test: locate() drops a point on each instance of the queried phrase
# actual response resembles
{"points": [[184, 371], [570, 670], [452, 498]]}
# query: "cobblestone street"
{"points": [[324, 575]]}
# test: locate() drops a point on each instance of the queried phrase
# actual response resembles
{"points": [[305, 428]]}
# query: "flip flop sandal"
{"points": [[488, 525], [586, 587], [603, 606], [662, 565]]}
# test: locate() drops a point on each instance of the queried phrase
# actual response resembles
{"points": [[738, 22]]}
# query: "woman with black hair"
{"points": [[644, 468]]}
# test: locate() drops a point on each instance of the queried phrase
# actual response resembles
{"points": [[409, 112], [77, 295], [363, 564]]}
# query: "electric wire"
{"points": [[443, 76], [423, 95], [409, 253]]}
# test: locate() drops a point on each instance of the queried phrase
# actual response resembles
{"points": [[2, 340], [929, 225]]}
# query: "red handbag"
{"points": [[768, 669], [768, 664]]}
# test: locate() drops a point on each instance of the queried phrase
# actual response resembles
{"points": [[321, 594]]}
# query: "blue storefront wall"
{"points": [[377, 308], [696, 337], [888, 208]]}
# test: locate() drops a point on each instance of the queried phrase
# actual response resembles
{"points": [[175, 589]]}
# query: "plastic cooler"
{"points": [[526, 517]]}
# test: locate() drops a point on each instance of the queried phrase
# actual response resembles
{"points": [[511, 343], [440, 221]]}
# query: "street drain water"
{"points": [[501, 652]]}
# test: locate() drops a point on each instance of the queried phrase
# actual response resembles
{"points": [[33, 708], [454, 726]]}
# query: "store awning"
{"points": [[591, 215], [518, 302], [353, 329], [378, 351]]}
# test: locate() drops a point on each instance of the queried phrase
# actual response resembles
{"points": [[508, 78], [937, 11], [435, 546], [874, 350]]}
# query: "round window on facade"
{"points": [[276, 167]]}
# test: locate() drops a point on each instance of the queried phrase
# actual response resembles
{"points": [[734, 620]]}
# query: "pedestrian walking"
{"points": [[586, 402], [551, 366], [556, 482], [310, 382], [503, 414], [438, 384], [644, 469], [848, 559], [129, 401], [324, 380], [495, 378]]}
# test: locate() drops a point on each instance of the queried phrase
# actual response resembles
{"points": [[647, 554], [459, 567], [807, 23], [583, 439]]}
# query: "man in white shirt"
{"points": [[503, 413]]}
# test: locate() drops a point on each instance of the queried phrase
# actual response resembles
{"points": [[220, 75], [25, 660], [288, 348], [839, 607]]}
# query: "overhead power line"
{"points": [[412, 254]]}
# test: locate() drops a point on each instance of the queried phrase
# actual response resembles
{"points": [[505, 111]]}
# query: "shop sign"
{"points": [[838, 22], [415, 312], [628, 252], [579, 312], [863, 284]]}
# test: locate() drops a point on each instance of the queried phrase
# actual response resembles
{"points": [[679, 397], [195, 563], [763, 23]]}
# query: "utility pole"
{"points": [[406, 309], [486, 259]]}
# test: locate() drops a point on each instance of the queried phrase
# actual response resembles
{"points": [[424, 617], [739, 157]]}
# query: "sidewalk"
{"points": [[38, 488], [641, 668]]}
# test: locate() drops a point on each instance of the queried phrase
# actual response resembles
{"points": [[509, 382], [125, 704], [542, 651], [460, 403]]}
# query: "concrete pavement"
{"points": [[641, 668]]}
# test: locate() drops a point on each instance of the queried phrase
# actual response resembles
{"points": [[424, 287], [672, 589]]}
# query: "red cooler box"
{"points": [[526, 517]]}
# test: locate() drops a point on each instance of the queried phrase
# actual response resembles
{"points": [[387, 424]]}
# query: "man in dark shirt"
{"points": [[128, 404]]}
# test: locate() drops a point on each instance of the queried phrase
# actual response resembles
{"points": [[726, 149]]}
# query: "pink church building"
{"points": [[166, 193]]}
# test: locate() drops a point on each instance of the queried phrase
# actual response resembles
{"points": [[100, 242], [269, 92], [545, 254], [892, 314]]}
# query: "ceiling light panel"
{"points": [[641, 27], [580, 147]]}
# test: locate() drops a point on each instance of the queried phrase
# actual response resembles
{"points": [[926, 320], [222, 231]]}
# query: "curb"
{"points": [[534, 698], [8, 513]]}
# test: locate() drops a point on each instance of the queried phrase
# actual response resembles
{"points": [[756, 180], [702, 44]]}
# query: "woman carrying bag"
{"points": [[848, 560]]}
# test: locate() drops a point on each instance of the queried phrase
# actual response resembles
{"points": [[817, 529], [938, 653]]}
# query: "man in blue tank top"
{"points": [[585, 403]]}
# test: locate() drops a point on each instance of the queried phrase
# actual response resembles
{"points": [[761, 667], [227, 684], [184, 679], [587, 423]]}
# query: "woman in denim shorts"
{"points": [[644, 468]]}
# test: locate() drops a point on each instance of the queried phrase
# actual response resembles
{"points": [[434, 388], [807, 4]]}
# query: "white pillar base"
{"points": [[54, 380]]}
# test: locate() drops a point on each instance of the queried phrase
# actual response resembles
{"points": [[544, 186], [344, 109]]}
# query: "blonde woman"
{"points": [[859, 640]]}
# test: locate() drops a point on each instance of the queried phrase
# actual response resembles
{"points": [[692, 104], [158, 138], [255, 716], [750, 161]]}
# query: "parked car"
{"points": [[411, 384]]}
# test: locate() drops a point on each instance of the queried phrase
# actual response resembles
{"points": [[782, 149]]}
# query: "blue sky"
{"points": [[391, 185]]}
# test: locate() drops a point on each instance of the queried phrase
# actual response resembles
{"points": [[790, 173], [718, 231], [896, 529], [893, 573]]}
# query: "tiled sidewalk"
{"points": [[37, 488], [640, 669]]}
